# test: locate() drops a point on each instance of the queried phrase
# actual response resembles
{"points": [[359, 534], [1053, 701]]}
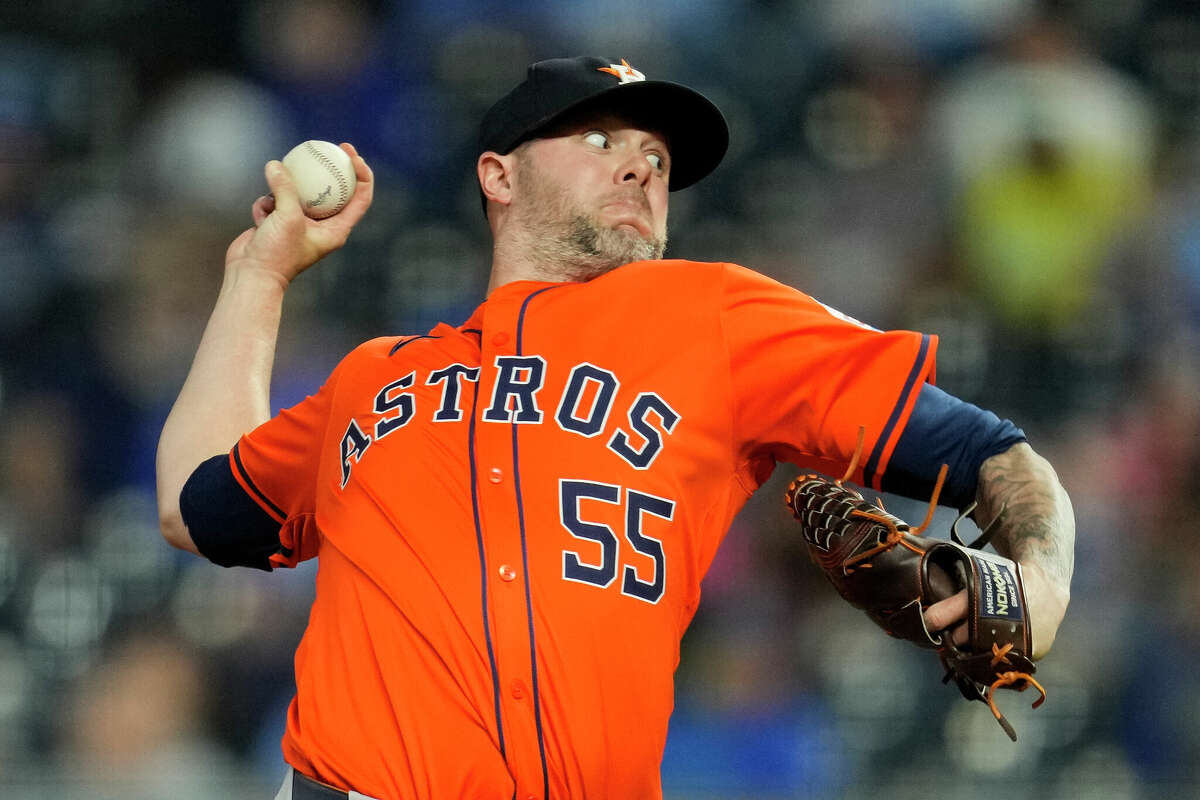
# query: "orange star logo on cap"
{"points": [[624, 72]]}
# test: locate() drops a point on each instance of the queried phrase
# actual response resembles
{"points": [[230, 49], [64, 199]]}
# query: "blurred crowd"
{"points": [[1020, 178]]}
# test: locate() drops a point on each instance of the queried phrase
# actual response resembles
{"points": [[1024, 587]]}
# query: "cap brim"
{"points": [[696, 131]]}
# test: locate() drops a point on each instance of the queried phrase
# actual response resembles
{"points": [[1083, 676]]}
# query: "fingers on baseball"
{"points": [[361, 171], [365, 190]]}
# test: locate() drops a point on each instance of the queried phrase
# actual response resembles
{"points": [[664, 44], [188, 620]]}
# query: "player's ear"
{"points": [[495, 176]]}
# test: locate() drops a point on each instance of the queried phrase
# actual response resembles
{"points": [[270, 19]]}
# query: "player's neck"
{"points": [[508, 271], [514, 260]]}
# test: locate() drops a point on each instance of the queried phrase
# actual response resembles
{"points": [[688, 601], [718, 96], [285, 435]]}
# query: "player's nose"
{"points": [[634, 169]]}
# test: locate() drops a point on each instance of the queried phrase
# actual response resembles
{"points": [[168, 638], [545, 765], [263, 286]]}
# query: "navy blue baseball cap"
{"points": [[696, 131]]}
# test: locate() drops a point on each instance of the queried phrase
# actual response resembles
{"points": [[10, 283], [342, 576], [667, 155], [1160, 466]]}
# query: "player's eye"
{"points": [[656, 161], [596, 139]]}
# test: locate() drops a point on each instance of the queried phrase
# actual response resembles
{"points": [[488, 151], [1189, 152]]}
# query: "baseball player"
{"points": [[513, 515]]}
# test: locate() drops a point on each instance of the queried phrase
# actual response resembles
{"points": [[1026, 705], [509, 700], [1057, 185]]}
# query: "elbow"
{"points": [[1040, 469], [173, 528], [1021, 459]]}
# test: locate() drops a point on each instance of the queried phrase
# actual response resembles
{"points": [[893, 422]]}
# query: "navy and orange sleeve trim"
{"points": [[885, 444], [247, 483], [228, 526]]}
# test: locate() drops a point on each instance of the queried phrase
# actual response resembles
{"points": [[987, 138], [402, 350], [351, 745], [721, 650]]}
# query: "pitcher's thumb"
{"points": [[282, 186]]}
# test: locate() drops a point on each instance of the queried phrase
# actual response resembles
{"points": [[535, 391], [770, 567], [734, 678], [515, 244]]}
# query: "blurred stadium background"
{"points": [[1021, 178]]}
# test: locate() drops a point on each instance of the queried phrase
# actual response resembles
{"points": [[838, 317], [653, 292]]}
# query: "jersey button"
{"points": [[500, 339], [507, 573], [518, 690], [495, 476]]}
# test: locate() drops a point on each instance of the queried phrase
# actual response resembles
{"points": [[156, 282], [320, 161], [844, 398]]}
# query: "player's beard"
{"points": [[565, 242]]}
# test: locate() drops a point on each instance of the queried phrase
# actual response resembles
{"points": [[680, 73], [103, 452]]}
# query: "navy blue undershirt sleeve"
{"points": [[945, 430], [227, 527]]}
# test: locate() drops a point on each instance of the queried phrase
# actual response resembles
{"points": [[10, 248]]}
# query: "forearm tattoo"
{"points": [[1038, 523]]}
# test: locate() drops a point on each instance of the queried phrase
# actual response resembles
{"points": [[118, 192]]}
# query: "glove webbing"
{"points": [[816, 516]]}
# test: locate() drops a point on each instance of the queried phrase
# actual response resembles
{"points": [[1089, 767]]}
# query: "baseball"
{"points": [[323, 175]]}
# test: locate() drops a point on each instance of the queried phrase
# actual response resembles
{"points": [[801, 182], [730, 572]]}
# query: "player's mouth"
{"points": [[628, 214]]}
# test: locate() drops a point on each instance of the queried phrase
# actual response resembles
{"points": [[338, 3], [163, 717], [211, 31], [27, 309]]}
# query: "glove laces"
{"points": [[894, 536]]}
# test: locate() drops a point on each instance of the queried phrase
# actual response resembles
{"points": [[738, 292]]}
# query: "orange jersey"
{"points": [[513, 517]]}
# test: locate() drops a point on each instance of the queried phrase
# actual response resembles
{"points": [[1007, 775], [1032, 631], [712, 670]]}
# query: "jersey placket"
{"points": [[508, 587]]}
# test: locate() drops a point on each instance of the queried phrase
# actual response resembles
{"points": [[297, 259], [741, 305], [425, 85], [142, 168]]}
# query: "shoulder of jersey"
{"points": [[667, 269], [381, 346], [379, 349]]}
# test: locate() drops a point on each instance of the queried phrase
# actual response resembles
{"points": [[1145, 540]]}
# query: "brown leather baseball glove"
{"points": [[887, 569]]}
